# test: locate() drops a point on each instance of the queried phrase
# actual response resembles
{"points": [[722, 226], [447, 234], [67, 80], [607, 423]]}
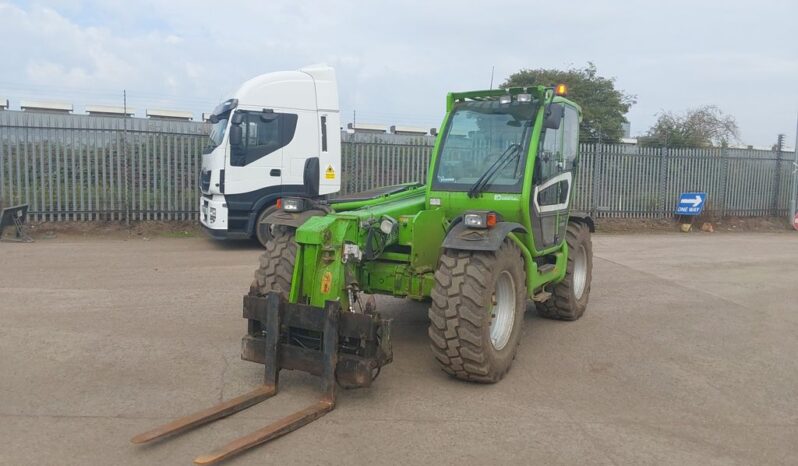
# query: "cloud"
{"points": [[397, 60]]}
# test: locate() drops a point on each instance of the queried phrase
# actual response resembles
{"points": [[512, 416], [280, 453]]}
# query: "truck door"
{"points": [[256, 156], [304, 144], [551, 194]]}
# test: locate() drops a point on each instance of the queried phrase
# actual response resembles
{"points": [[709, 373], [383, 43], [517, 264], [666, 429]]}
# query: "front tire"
{"points": [[477, 311], [569, 298], [276, 264]]}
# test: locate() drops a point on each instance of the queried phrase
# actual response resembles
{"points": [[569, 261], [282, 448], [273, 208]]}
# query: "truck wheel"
{"points": [[264, 234], [478, 304], [276, 264], [568, 299]]}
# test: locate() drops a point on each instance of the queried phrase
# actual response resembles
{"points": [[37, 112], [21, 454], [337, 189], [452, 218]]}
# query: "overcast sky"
{"points": [[396, 60]]}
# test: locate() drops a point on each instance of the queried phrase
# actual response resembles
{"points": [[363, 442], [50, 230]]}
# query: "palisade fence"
{"points": [[79, 167]]}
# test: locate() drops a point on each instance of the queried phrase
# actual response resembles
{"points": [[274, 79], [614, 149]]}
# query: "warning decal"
{"points": [[326, 282], [329, 173]]}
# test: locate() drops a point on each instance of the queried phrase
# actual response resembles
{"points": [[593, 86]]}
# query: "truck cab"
{"points": [[277, 135]]}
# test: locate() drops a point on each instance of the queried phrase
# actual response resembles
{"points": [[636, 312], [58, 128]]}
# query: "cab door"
{"points": [[255, 159], [553, 181]]}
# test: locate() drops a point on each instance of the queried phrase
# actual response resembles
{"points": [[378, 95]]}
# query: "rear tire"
{"points": [[477, 311], [267, 234], [276, 264], [569, 298]]}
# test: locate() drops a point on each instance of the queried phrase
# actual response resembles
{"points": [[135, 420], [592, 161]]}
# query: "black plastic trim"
{"points": [[471, 239], [583, 217], [249, 205]]}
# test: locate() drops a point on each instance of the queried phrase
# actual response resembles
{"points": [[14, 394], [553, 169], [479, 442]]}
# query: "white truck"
{"points": [[278, 135]]}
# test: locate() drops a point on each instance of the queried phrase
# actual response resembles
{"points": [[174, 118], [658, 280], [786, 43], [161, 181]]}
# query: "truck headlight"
{"points": [[213, 214], [480, 219], [293, 204]]}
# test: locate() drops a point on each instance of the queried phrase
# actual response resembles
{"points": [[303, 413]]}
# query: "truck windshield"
{"points": [[484, 136], [216, 135]]}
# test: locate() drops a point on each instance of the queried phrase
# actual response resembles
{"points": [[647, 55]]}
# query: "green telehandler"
{"points": [[490, 231]]}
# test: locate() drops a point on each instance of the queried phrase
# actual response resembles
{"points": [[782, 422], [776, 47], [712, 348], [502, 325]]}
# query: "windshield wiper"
{"points": [[501, 162]]}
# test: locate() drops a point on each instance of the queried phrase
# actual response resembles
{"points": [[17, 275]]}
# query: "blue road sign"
{"points": [[691, 203]]}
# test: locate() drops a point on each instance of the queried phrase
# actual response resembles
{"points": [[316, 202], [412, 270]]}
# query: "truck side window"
{"points": [[262, 134], [324, 134]]}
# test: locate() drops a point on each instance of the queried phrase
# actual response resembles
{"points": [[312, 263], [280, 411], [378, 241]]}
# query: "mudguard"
{"points": [[472, 239], [583, 217]]}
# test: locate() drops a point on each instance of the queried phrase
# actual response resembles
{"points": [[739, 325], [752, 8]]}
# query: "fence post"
{"points": [[724, 153], [774, 203], [663, 183], [596, 179]]}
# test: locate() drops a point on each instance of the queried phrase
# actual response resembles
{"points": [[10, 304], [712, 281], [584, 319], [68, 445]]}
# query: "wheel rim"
{"points": [[580, 271], [502, 311]]}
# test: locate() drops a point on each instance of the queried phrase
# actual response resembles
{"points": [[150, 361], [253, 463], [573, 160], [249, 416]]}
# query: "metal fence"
{"points": [[76, 167]]}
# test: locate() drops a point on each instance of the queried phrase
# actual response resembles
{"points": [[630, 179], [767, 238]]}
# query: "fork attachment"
{"points": [[336, 346]]}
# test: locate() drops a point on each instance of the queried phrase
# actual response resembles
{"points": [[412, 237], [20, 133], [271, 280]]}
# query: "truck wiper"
{"points": [[501, 162]]}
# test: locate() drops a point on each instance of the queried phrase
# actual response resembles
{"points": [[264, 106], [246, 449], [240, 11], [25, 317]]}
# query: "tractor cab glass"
{"points": [[484, 147]]}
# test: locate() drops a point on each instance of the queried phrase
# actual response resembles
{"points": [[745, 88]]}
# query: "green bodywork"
{"points": [[406, 268]]}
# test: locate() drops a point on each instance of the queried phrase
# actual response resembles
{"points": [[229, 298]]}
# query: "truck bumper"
{"points": [[213, 215]]}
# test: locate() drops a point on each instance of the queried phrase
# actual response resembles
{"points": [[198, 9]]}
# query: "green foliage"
{"points": [[603, 106], [705, 126]]}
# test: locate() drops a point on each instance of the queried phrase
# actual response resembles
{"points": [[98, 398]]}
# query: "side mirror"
{"points": [[213, 119], [237, 119], [553, 116], [236, 134]]}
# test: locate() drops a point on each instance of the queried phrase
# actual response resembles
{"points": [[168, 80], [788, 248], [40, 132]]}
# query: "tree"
{"points": [[603, 106], [705, 126]]}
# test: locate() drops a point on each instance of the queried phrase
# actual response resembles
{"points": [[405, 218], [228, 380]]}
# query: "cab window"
{"points": [[570, 141], [261, 134]]}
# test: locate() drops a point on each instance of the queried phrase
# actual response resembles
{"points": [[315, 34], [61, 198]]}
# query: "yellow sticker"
{"points": [[326, 282], [330, 172]]}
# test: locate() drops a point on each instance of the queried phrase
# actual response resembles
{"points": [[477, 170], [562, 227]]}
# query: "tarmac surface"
{"points": [[688, 354]]}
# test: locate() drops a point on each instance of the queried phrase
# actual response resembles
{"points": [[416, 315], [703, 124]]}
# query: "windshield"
{"points": [[217, 134], [478, 135]]}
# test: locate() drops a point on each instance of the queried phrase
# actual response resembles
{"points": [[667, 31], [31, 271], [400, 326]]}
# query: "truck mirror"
{"points": [[236, 135], [553, 116], [237, 118], [213, 119]]}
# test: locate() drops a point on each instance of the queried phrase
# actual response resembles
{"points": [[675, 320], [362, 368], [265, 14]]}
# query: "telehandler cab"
{"points": [[490, 231]]}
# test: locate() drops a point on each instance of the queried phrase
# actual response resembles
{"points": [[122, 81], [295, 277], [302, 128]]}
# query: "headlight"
{"points": [[293, 204], [213, 214], [388, 226], [480, 219]]}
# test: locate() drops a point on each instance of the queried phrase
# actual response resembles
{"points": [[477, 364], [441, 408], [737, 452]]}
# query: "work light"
{"points": [[293, 204], [480, 219]]}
